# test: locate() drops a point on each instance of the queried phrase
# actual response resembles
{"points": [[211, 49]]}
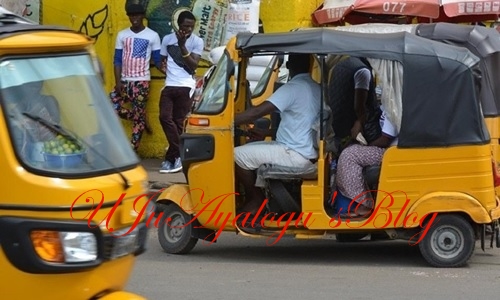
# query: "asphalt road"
{"points": [[239, 267]]}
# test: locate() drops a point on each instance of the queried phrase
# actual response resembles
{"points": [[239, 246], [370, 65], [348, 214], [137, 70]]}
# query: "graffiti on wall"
{"points": [[94, 23], [26, 8], [159, 13]]}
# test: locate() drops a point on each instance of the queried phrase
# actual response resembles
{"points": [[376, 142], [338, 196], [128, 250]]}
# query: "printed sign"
{"points": [[211, 17], [243, 15]]}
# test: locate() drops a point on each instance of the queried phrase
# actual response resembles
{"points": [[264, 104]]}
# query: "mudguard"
{"points": [[447, 202], [179, 194]]}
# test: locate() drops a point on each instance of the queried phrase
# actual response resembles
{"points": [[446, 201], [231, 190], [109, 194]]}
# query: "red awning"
{"points": [[335, 11]]}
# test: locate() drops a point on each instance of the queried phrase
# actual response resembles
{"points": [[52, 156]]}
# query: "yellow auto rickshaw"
{"points": [[72, 191], [435, 188]]}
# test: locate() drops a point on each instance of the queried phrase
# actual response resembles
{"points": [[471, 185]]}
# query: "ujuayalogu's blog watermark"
{"points": [[244, 220]]}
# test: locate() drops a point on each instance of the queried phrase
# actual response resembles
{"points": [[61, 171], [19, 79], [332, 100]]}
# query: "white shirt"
{"points": [[388, 128], [299, 104], [137, 48], [362, 79], [176, 75]]}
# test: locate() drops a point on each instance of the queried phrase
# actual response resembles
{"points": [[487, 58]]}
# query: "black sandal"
{"points": [[247, 226]]}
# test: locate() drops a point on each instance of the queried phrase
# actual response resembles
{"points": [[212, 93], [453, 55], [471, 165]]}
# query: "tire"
{"points": [[349, 237], [449, 243], [174, 237]]}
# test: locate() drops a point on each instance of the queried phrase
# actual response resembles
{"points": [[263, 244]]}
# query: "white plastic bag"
{"points": [[243, 15]]}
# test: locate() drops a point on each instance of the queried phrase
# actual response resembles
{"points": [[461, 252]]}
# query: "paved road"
{"points": [[245, 268]]}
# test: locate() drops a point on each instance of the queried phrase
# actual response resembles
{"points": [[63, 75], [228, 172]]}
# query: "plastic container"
{"points": [[341, 204], [35, 151], [58, 161]]}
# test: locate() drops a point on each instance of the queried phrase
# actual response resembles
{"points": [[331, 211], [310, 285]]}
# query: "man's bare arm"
{"points": [[252, 114]]}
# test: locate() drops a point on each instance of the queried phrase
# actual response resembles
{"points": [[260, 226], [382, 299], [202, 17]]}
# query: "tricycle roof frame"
{"points": [[439, 101]]}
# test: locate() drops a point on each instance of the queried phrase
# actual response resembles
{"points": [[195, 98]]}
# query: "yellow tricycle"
{"points": [[72, 188], [435, 188]]}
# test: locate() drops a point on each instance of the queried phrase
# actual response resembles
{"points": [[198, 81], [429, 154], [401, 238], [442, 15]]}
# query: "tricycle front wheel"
{"points": [[174, 233], [449, 243]]}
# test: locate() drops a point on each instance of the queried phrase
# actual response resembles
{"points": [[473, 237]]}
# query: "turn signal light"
{"points": [[64, 247], [199, 121], [48, 245]]}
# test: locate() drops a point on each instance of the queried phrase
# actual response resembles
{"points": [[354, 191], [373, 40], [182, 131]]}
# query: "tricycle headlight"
{"points": [[64, 247], [79, 246]]}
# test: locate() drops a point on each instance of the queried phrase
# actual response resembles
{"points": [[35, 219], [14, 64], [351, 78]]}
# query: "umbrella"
{"points": [[368, 11]]}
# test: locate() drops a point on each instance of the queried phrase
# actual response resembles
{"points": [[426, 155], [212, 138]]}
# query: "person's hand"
{"points": [[119, 88], [356, 129], [164, 66], [257, 134], [181, 37]]}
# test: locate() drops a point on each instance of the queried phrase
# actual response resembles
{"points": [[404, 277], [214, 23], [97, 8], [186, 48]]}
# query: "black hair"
{"points": [[299, 62], [185, 15]]}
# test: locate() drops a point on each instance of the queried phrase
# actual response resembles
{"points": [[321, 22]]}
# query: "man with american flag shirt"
{"points": [[133, 51]]}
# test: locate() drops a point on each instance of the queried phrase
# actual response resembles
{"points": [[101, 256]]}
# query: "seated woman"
{"points": [[353, 159]]}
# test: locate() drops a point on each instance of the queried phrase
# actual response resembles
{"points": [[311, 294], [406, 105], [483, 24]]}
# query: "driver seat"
{"points": [[283, 185]]}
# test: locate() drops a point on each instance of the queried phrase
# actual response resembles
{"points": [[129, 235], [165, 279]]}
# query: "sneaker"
{"points": [[168, 167], [177, 165], [165, 167]]}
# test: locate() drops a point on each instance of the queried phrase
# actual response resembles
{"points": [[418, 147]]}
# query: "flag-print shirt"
{"points": [[136, 51]]}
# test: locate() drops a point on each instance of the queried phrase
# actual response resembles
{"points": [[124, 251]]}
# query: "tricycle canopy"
{"points": [[439, 105], [483, 42]]}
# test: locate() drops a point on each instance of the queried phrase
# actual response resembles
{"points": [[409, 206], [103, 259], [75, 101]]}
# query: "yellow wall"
{"points": [[284, 15], [102, 19]]}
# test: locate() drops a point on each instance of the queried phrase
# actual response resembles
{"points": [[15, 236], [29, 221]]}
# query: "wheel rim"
{"points": [[447, 242], [174, 230]]}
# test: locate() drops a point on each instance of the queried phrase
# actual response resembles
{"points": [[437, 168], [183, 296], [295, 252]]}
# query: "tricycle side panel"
{"points": [[438, 179]]}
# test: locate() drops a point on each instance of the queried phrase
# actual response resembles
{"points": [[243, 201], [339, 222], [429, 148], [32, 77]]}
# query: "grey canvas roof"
{"points": [[483, 42], [440, 106]]}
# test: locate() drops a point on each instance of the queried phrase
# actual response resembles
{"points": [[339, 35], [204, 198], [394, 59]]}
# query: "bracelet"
{"points": [[184, 56]]}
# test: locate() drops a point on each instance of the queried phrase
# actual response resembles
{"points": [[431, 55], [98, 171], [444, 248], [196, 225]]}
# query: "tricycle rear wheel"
{"points": [[173, 233], [449, 243]]}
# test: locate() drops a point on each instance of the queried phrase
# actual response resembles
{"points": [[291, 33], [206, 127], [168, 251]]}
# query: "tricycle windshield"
{"points": [[213, 98], [59, 117]]}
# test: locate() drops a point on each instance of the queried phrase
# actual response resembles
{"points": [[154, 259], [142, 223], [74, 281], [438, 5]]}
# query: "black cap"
{"points": [[135, 9]]}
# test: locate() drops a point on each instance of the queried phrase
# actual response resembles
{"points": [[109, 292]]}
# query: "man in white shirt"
{"points": [[298, 102], [182, 51], [133, 51]]}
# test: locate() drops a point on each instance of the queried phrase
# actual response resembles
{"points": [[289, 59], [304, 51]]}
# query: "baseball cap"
{"points": [[135, 9]]}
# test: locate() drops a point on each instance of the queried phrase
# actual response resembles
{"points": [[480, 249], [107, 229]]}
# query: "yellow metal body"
{"points": [[21, 191], [493, 124]]}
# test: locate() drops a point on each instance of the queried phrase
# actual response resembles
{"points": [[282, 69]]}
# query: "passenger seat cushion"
{"points": [[268, 171]]}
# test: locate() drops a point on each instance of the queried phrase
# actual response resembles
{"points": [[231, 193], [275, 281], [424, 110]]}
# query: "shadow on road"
{"points": [[286, 251]]}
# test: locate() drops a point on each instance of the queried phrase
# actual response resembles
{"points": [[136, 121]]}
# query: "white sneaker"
{"points": [[177, 165], [168, 167], [165, 167]]}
